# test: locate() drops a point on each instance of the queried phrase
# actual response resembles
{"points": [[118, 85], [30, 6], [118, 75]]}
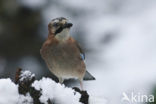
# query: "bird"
{"points": [[62, 54]]}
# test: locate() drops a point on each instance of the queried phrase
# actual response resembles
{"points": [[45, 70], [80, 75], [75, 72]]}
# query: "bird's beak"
{"points": [[67, 25]]}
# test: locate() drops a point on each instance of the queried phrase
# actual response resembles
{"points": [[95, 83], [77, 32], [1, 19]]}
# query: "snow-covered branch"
{"points": [[27, 90]]}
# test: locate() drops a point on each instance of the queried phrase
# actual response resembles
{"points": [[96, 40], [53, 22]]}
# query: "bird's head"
{"points": [[59, 27]]}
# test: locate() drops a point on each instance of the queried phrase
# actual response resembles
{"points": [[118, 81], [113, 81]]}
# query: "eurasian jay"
{"points": [[62, 53]]}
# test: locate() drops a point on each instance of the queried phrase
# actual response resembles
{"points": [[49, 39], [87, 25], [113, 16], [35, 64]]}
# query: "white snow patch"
{"points": [[25, 99], [26, 74], [56, 92], [50, 90], [8, 92], [97, 100]]}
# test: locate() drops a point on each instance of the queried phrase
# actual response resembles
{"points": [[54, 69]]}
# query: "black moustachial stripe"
{"points": [[58, 30], [67, 25]]}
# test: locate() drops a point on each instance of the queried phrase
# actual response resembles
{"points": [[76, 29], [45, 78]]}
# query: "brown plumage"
{"points": [[62, 53]]}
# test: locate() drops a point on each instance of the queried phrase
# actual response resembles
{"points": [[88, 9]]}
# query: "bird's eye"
{"points": [[56, 24]]}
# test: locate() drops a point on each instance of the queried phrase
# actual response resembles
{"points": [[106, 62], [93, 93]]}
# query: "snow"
{"points": [[26, 74], [25, 99], [56, 92], [8, 92], [97, 100]]}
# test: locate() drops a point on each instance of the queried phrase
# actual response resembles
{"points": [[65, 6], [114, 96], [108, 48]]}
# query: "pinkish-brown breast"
{"points": [[63, 57]]}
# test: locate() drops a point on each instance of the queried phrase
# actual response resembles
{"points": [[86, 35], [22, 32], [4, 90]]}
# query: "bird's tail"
{"points": [[88, 76]]}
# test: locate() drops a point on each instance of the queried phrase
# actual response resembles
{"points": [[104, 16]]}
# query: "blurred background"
{"points": [[118, 36]]}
